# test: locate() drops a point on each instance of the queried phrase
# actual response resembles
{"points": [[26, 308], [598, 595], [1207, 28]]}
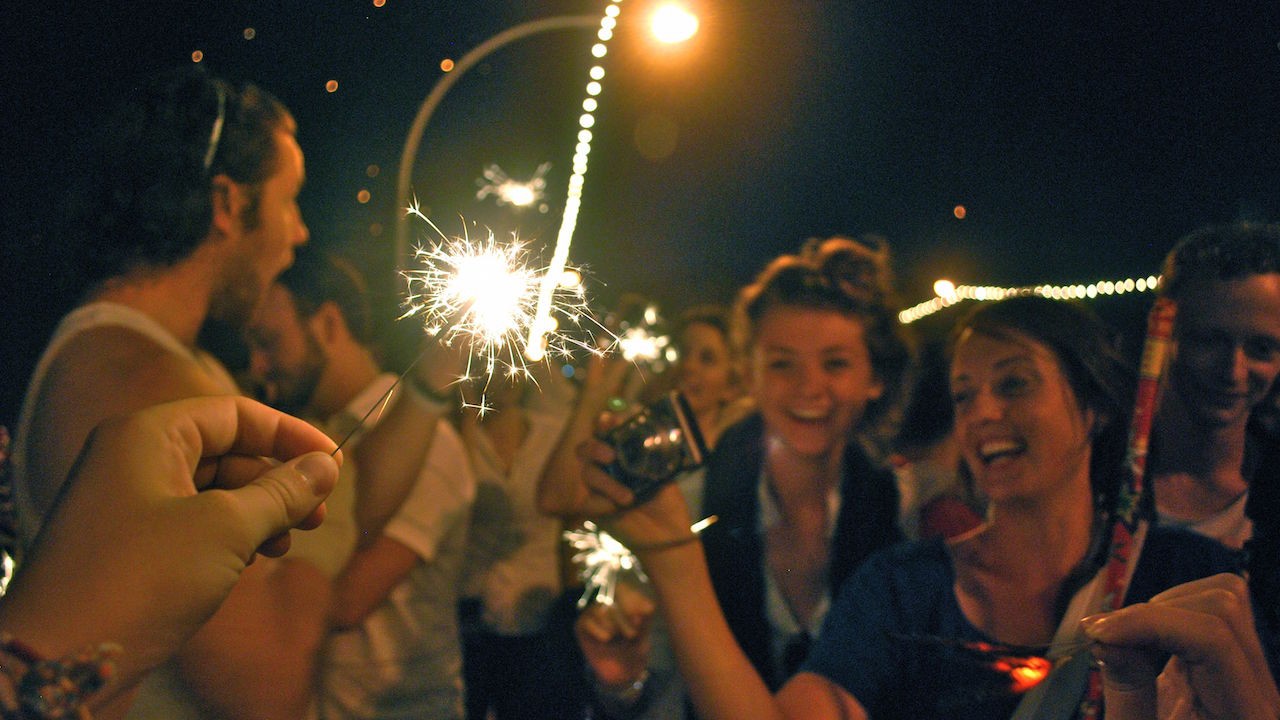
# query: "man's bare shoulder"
{"points": [[101, 373]]}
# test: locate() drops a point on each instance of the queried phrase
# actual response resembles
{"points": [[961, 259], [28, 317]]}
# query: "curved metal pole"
{"points": [[473, 56]]}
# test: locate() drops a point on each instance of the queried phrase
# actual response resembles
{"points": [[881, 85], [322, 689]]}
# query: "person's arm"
{"points": [[561, 491], [721, 680], [371, 574], [391, 453], [256, 657], [1218, 664], [190, 501]]}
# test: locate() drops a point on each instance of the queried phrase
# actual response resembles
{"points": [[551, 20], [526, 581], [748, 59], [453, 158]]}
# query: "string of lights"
{"points": [[535, 347], [947, 293]]}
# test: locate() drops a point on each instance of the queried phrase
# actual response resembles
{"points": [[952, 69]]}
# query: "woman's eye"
{"points": [[1013, 386]]}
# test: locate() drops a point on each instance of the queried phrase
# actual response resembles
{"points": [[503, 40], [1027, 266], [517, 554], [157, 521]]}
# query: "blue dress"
{"points": [[898, 642]]}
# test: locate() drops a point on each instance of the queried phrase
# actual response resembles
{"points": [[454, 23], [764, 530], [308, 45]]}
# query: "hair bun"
{"points": [[857, 266]]}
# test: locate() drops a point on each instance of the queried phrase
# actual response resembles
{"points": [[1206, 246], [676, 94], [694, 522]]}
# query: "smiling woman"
{"points": [[944, 629]]}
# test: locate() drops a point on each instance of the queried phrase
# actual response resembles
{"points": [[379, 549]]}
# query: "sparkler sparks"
{"points": [[507, 191], [484, 293], [603, 559]]}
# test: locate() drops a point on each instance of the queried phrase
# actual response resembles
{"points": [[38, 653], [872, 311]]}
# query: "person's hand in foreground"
{"points": [[1217, 669], [164, 510], [615, 639]]}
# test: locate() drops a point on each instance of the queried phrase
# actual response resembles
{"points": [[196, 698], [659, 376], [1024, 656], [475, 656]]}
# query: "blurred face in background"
{"points": [[705, 369], [1226, 352], [811, 377], [285, 356]]}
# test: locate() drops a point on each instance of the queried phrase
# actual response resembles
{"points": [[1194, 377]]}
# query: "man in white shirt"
{"points": [[394, 649]]}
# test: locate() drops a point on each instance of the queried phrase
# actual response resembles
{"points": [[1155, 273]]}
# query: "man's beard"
{"points": [[238, 293], [295, 389]]}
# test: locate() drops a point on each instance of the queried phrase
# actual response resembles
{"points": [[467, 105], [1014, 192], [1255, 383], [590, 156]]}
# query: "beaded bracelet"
{"points": [[32, 688]]}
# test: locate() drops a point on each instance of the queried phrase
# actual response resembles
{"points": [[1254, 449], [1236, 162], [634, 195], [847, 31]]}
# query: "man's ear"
{"points": [[228, 198], [327, 323]]}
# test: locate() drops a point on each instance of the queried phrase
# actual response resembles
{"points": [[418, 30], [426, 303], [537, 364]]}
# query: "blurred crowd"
{"points": [[224, 502]]}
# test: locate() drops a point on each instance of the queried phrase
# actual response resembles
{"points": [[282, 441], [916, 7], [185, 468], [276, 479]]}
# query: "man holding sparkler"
{"points": [[189, 212], [394, 650]]}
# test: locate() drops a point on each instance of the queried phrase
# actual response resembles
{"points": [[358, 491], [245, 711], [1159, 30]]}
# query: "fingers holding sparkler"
{"points": [[1207, 625]]}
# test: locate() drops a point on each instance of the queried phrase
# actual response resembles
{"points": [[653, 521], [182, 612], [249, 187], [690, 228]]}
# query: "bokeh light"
{"points": [[446, 65], [197, 56], [672, 24], [250, 33], [331, 86], [363, 196], [959, 211]]}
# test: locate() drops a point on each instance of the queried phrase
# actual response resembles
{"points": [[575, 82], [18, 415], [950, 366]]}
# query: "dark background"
{"points": [[1083, 138]]}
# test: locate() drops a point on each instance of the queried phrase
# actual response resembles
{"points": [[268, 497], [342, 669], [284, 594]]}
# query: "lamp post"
{"points": [[473, 56]]}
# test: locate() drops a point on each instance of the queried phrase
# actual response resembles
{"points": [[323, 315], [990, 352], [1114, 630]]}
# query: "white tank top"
{"points": [[88, 317]]}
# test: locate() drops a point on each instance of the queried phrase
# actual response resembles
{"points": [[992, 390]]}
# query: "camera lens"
{"points": [[650, 449]]}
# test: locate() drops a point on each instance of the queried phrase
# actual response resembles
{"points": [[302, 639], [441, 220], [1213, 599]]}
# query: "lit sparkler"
{"points": [[507, 191], [483, 293], [642, 340], [603, 559]]}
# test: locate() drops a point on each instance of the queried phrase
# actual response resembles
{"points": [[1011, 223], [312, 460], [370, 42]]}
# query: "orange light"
{"points": [[379, 3], [372, 171], [363, 196], [959, 212], [446, 64], [197, 56], [331, 86]]}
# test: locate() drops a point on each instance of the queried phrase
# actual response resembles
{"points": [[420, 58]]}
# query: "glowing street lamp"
{"points": [[672, 24], [668, 16]]}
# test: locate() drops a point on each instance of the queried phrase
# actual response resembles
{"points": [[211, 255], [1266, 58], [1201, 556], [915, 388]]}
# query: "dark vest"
{"points": [[868, 521]]}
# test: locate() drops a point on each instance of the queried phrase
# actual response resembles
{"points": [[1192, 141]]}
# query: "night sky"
{"points": [[1082, 138]]}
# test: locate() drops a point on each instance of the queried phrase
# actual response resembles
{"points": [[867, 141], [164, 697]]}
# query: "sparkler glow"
{"points": [[506, 191], [641, 340], [483, 293], [603, 559]]}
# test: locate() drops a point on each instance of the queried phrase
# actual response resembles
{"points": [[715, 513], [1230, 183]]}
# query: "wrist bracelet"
{"points": [[32, 688], [627, 695], [664, 545]]}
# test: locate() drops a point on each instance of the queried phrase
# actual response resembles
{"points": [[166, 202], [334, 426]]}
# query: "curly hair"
{"points": [[847, 275]]}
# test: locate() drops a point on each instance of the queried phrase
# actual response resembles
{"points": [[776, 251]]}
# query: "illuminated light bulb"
{"points": [[944, 288], [672, 24], [599, 50]]}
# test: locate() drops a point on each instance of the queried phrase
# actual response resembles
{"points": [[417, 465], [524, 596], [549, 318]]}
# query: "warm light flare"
{"points": [[673, 24]]}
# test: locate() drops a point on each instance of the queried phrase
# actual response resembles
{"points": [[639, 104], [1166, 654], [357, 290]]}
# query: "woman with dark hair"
{"points": [[799, 502], [947, 629]]}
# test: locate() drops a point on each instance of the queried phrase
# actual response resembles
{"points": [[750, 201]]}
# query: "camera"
{"points": [[659, 442]]}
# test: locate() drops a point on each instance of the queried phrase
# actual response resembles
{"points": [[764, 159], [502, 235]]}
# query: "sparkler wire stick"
{"points": [[386, 396], [1129, 529]]}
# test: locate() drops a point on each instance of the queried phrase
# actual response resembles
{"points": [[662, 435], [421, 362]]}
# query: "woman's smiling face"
{"points": [[1021, 430], [811, 376]]}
